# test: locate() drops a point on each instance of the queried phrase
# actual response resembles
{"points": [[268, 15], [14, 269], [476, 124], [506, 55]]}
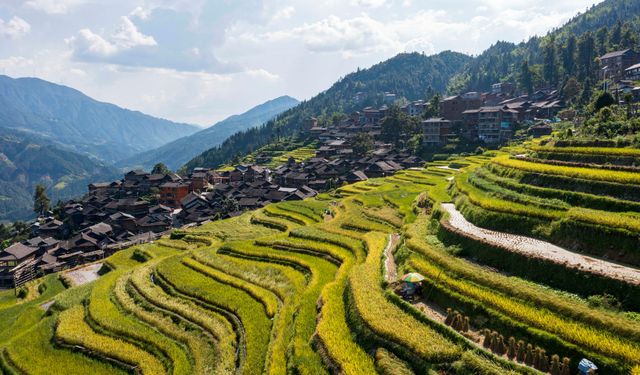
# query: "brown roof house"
{"points": [[11, 259]]}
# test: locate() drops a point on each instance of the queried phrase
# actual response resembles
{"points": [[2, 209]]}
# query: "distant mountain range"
{"points": [[27, 160], [180, 151], [70, 118]]}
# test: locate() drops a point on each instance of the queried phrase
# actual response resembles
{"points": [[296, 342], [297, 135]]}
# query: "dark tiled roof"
{"points": [[19, 251]]}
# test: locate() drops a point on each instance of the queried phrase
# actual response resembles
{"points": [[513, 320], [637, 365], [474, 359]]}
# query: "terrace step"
{"points": [[540, 249]]}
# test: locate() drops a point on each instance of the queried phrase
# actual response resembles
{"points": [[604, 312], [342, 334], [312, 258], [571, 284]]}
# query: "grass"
{"points": [[573, 331], [266, 298], [256, 324], [573, 172], [108, 316], [209, 322], [195, 350], [386, 319], [614, 151], [496, 199], [34, 350], [73, 330], [388, 364], [421, 242]]}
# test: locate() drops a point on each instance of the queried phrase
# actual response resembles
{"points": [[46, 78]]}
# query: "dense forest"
{"points": [[571, 51]]}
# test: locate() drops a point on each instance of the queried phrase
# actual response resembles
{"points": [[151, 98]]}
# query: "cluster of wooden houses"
{"points": [[490, 117]]}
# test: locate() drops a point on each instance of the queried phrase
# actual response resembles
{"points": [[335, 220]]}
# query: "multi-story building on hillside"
{"points": [[633, 72], [451, 108], [489, 124], [614, 64], [435, 131]]}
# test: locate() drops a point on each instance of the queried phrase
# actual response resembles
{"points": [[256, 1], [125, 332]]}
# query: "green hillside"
{"points": [[27, 160], [408, 75]]}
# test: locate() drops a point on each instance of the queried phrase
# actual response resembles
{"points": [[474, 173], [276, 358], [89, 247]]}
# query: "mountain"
{"points": [[27, 160], [69, 117], [178, 152], [408, 75]]}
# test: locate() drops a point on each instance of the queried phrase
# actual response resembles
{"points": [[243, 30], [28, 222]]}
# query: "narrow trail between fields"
{"points": [[541, 249], [390, 269]]}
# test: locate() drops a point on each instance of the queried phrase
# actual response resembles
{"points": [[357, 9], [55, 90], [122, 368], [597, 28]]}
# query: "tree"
{"points": [[586, 92], [616, 35], [160, 168], [602, 38], [586, 55], [550, 65], [41, 200], [603, 100], [392, 124], [362, 144], [571, 88], [569, 55], [526, 80], [433, 107]]}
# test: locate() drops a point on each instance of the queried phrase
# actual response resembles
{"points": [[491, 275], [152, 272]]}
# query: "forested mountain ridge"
{"points": [[568, 51], [604, 14], [567, 54], [65, 115], [408, 75], [27, 160], [180, 151]]}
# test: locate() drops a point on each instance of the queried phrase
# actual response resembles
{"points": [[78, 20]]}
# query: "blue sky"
{"points": [[199, 61]]}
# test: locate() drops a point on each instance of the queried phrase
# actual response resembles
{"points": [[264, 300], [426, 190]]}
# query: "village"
{"points": [[144, 206]]}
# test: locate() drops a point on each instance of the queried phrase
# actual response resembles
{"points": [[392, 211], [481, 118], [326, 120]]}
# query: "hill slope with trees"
{"points": [[570, 51], [27, 160], [410, 75]]}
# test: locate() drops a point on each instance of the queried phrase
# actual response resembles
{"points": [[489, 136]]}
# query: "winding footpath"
{"points": [[390, 269], [541, 249]]}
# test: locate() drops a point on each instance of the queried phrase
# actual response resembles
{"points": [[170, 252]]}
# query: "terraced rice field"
{"points": [[286, 290]]}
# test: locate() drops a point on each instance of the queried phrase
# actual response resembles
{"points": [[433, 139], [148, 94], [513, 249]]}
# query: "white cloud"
{"points": [[13, 62], [14, 28], [89, 45], [54, 6], [140, 12], [369, 3], [364, 35], [128, 36], [361, 34], [283, 14], [262, 73]]}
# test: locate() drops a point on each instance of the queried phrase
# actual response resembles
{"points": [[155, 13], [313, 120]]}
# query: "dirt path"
{"points": [[541, 249], [83, 275], [45, 306], [390, 270], [448, 168]]}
